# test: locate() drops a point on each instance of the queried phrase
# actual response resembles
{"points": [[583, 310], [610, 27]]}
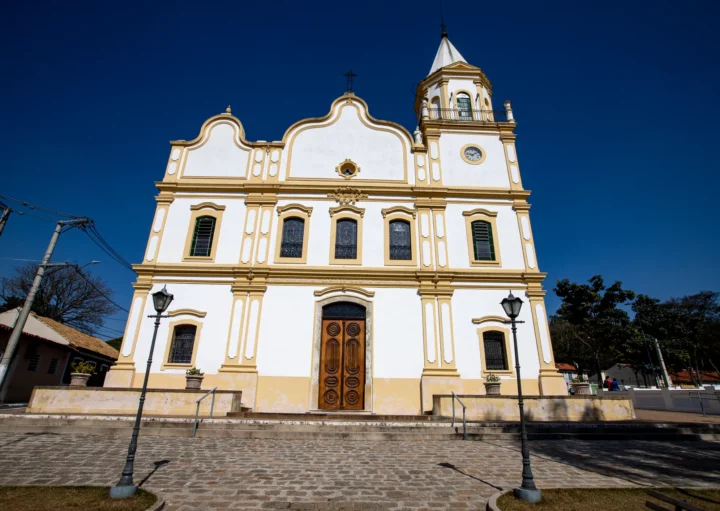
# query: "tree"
{"points": [[590, 322], [115, 343], [64, 295]]}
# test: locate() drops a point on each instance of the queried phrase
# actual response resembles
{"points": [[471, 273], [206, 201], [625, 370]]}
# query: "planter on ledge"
{"points": [[581, 389], [492, 388], [193, 382], [79, 379]]}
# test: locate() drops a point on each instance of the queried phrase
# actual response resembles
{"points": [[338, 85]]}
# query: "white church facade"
{"points": [[352, 265]]}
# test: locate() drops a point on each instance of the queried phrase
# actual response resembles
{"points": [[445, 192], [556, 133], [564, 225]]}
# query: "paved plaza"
{"points": [[227, 473]]}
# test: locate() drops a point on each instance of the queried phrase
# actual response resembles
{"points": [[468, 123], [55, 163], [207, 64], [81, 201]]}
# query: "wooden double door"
{"points": [[342, 364]]}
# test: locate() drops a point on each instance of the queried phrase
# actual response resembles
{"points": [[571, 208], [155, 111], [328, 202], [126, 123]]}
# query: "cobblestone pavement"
{"points": [[226, 473]]}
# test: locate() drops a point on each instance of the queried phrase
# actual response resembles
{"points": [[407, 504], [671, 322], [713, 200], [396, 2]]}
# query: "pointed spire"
{"points": [[447, 54]]}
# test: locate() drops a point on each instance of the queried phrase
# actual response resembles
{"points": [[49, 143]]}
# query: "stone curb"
{"points": [[159, 504], [492, 503]]}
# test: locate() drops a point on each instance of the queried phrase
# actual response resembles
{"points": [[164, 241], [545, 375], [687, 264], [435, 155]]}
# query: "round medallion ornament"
{"points": [[352, 397], [331, 397], [333, 329], [353, 329], [472, 154]]}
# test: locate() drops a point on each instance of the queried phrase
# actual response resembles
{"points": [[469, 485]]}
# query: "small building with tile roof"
{"points": [[46, 351]]}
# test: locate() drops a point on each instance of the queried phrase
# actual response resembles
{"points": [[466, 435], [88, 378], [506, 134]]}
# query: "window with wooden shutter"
{"points": [[495, 355], [483, 243], [293, 234], [203, 237]]}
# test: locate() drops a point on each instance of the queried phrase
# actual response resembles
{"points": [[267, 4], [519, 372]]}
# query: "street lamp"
{"points": [[527, 491], [125, 487]]}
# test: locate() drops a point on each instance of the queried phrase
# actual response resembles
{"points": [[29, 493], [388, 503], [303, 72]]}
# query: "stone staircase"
{"points": [[356, 427]]}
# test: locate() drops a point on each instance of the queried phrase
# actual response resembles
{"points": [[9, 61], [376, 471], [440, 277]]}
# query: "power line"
{"points": [[16, 259], [24, 213], [113, 329], [96, 289], [96, 238], [39, 208]]}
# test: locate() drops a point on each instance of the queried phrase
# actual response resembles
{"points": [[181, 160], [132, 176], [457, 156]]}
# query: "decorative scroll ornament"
{"points": [[347, 195]]}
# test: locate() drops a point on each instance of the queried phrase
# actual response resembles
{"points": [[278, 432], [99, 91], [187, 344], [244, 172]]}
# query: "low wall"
{"points": [[676, 400], [537, 408], [119, 401]]}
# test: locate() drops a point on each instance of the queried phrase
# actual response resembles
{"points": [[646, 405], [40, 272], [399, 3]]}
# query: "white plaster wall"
{"points": [[476, 303], [219, 155], [373, 239], [397, 333], [214, 299], [285, 346], [508, 236], [491, 173], [178, 225], [381, 152]]}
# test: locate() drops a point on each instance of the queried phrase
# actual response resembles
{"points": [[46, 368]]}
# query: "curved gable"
{"points": [[315, 147], [219, 150]]}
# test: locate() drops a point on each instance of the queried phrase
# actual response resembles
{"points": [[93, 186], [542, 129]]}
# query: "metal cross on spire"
{"points": [[442, 23], [350, 75]]}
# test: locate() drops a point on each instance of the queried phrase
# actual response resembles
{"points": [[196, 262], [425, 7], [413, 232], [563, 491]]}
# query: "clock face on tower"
{"points": [[472, 154]]}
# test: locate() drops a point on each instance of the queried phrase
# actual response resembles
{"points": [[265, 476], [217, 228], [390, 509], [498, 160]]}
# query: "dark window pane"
{"points": [[483, 246], [203, 237], [53, 366], [464, 108], [343, 310], [400, 241], [292, 237], [495, 356], [182, 344], [346, 239]]}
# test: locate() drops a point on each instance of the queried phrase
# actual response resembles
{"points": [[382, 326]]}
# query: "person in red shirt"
{"points": [[608, 383]]}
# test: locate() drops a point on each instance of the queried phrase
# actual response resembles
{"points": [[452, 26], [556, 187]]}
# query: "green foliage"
{"points": [[83, 367], [194, 371], [492, 378], [579, 378], [115, 343]]}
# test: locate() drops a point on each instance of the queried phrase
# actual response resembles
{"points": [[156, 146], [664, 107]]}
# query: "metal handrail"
{"points": [[464, 115], [454, 397], [700, 396], [197, 409]]}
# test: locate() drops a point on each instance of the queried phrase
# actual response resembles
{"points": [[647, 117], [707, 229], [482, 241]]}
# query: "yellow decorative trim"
{"points": [[407, 215], [350, 165], [347, 196], [217, 215], [189, 312], [486, 319], [168, 343], [398, 209], [288, 207], [348, 208], [489, 217], [508, 351], [479, 148], [203, 205], [480, 211], [345, 289], [292, 211], [350, 213]]}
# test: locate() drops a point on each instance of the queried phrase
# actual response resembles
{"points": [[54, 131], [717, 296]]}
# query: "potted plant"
{"points": [[81, 373], [492, 385], [580, 386], [193, 378]]}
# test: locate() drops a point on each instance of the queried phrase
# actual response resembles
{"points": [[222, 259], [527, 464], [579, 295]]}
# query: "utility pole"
{"points": [[25, 312], [4, 217], [665, 376]]}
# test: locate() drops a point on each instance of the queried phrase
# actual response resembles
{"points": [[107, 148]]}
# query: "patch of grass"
{"points": [[611, 499], [61, 498]]}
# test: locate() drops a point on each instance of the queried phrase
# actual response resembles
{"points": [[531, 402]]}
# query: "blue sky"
{"points": [[616, 102]]}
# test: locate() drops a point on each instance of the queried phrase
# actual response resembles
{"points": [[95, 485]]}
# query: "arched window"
{"points": [[464, 106], [482, 238], [495, 355], [202, 241], [435, 108], [292, 237], [346, 239], [400, 240], [183, 343]]}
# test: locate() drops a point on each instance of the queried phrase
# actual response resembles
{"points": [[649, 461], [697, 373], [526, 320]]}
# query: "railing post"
{"points": [[197, 411], [212, 403], [453, 408], [509, 112], [464, 425]]}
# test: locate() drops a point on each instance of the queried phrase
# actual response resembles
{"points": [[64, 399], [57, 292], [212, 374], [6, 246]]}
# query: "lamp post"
{"points": [[125, 487], [527, 491]]}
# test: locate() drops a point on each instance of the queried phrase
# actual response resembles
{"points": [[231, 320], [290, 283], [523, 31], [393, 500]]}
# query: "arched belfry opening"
{"points": [[342, 368]]}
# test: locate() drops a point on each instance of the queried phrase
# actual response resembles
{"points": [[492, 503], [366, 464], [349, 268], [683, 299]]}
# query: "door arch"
{"points": [[342, 354]]}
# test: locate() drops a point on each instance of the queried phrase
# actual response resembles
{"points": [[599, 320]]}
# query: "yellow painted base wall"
{"points": [[569, 408], [286, 394], [105, 401]]}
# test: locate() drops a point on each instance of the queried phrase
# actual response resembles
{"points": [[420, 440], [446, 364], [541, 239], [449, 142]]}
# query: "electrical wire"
{"points": [[92, 233], [113, 329], [39, 208], [96, 289], [23, 213], [26, 260]]}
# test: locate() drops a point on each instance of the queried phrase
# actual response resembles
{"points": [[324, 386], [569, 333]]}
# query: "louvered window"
{"points": [[400, 244], [53, 366], [183, 342], [495, 356], [346, 239], [483, 246], [464, 107], [203, 237], [292, 237]]}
